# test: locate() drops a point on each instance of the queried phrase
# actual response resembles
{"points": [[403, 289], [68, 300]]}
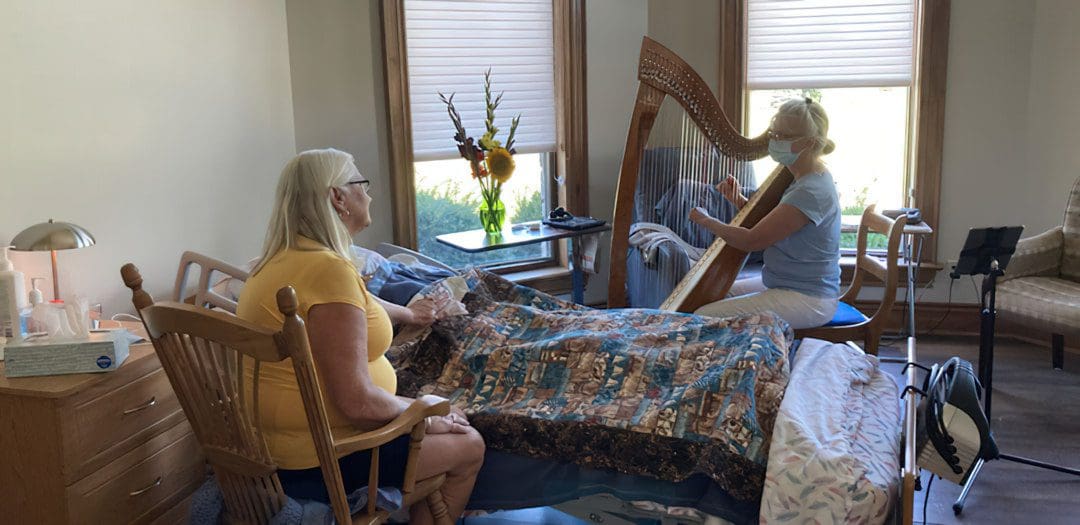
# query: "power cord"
{"points": [[922, 292], [116, 317], [926, 498], [948, 309]]}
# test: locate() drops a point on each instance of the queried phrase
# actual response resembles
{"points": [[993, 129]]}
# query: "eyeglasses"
{"points": [[777, 135], [366, 183]]}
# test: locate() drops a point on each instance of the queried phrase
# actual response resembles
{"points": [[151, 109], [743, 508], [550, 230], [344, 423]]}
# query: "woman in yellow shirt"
{"points": [[320, 203]]}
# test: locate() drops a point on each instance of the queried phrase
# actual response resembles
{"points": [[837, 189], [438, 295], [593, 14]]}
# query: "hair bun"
{"points": [[829, 147]]}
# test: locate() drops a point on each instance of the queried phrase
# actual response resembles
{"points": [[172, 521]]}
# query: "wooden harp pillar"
{"points": [[679, 146]]}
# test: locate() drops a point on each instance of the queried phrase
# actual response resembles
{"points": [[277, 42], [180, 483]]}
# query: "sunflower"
{"points": [[500, 164]]}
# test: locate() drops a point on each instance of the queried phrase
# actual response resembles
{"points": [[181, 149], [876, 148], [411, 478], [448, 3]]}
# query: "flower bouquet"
{"points": [[491, 162]]}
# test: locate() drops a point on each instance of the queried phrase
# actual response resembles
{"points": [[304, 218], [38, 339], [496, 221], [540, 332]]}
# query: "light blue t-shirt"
{"points": [[809, 260]]}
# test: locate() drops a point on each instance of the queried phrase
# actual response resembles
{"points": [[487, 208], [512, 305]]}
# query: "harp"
{"points": [[679, 146]]}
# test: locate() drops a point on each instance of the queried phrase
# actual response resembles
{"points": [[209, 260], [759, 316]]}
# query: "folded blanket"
{"points": [[643, 392], [647, 238]]}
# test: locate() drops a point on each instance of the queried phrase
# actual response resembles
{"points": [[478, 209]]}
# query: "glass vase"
{"points": [[492, 217]]}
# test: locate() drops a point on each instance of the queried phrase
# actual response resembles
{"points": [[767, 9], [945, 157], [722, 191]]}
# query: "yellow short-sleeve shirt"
{"points": [[319, 276]]}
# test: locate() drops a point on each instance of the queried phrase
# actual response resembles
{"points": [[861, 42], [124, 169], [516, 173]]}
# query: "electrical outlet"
{"points": [[950, 264]]}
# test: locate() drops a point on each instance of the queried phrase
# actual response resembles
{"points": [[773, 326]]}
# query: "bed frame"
{"points": [[909, 472]]}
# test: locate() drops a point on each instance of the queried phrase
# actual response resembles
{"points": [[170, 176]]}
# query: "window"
{"points": [[446, 202], [446, 46], [856, 59]]}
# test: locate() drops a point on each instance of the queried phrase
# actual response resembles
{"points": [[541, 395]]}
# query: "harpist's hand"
{"points": [[731, 190], [699, 215]]}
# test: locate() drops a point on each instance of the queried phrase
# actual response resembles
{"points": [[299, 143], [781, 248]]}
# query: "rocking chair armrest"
{"points": [[401, 425]]}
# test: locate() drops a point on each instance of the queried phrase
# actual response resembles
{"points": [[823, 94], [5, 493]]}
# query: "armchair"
{"points": [[1041, 287]]}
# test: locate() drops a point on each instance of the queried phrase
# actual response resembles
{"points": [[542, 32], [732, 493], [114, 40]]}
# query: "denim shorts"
{"points": [[355, 468]]}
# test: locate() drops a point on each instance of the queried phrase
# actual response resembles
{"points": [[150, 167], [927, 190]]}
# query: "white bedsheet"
{"points": [[834, 456]]}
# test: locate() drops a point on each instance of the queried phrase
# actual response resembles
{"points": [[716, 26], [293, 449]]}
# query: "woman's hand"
{"points": [[422, 312], [459, 416], [731, 191], [700, 216], [449, 424]]}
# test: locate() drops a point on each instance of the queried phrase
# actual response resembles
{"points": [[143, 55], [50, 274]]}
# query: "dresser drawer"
{"points": [[142, 483], [103, 427]]}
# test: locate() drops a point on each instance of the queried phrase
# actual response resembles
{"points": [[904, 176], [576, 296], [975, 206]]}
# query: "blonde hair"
{"points": [[302, 204], [814, 120]]}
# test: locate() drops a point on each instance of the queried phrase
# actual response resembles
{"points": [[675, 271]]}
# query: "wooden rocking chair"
{"points": [[202, 352]]}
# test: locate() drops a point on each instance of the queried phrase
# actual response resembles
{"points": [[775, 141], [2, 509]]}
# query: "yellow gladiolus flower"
{"points": [[500, 164]]}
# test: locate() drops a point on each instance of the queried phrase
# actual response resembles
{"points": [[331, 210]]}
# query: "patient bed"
{"points": [[834, 456]]}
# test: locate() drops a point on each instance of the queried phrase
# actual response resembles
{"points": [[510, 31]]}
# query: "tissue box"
{"points": [[38, 356]]}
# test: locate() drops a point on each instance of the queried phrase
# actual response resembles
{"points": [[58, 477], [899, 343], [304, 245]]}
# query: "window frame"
{"points": [[926, 102], [571, 151]]}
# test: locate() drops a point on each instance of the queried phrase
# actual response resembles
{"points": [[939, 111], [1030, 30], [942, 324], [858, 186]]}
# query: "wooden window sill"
{"points": [[556, 279], [552, 279]]}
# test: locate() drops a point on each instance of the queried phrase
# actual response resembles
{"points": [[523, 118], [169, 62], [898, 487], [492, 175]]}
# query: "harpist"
{"points": [[800, 280]]}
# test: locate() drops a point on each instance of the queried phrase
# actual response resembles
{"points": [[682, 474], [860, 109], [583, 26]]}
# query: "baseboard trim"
{"points": [[961, 319]]}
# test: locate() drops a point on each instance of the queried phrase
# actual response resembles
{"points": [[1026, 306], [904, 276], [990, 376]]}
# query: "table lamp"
{"points": [[52, 236]]}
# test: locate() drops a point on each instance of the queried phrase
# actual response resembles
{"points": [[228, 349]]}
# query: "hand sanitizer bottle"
{"points": [[12, 299]]}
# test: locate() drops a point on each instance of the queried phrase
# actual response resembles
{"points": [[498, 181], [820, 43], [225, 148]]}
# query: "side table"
{"points": [[113, 447], [476, 241]]}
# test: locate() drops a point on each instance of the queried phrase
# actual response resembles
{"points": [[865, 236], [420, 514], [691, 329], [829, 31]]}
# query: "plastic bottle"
{"points": [[12, 299], [36, 298]]}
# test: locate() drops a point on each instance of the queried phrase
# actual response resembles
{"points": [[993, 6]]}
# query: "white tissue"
{"points": [[69, 321]]}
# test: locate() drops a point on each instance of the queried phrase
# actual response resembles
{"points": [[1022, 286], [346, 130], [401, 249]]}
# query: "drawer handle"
{"points": [[144, 406], [143, 490]]}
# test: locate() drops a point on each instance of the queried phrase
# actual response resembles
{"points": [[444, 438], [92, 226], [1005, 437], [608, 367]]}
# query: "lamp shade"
{"points": [[47, 236]]}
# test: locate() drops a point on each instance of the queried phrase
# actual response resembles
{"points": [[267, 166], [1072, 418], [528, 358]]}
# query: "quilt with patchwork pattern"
{"points": [[644, 392]]}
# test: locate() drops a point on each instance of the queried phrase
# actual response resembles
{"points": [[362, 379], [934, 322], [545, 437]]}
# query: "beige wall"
{"points": [[690, 28], [985, 127], [613, 40], [1053, 113], [158, 126], [335, 48]]}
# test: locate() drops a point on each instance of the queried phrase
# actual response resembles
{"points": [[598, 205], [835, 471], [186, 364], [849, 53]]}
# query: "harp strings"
{"points": [[679, 170]]}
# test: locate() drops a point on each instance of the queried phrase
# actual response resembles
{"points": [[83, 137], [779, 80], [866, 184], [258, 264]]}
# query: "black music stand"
{"points": [[987, 252]]}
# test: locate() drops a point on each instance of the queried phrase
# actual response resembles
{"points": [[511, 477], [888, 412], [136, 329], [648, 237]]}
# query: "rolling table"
{"points": [[476, 241]]}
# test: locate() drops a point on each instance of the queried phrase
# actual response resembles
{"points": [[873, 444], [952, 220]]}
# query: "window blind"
{"points": [[829, 43], [451, 43]]}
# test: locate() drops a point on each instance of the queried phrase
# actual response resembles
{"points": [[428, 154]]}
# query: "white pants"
{"points": [[748, 296]]}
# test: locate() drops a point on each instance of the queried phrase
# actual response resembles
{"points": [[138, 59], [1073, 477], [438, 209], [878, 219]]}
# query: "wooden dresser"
{"points": [[97, 448]]}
